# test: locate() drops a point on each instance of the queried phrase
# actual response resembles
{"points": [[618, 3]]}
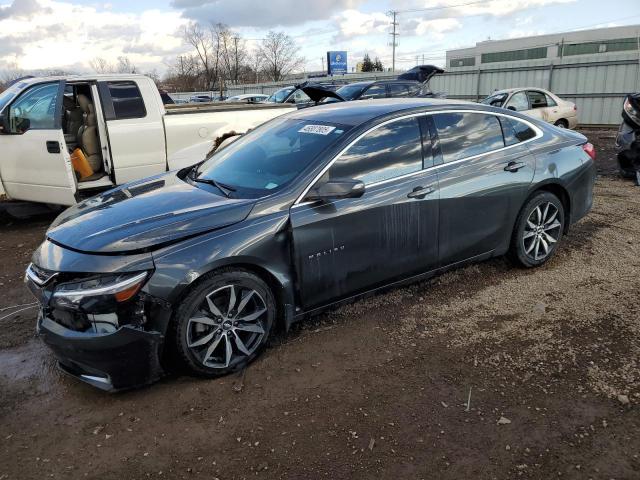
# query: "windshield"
{"points": [[269, 157], [349, 92], [495, 100], [8, 95], [280, 95]]}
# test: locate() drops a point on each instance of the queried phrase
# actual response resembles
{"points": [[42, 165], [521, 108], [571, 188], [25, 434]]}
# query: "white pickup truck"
{"points": [[118, 123]]}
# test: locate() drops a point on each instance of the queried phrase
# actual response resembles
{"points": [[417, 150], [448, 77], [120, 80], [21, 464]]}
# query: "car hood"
{"points": [[421, 73], [318, 92], [144, 215]]}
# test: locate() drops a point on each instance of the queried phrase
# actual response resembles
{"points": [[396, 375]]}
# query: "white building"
{"points": [[592, 45]]}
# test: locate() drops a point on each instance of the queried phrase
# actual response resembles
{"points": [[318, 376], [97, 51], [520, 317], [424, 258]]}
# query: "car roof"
{"points": [[358, 84], [516, 89], [362, 111]]}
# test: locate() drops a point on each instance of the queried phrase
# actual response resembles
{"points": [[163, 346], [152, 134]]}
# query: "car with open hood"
{"points": [[199, 266]]}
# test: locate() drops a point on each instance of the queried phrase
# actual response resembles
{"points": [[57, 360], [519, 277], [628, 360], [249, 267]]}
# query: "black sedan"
{"points": [[316, 207]]}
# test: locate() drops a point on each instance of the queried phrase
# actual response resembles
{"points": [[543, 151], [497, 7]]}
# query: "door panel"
{"points": [[479, 201], [135, 130], [351, 245], [482, 184], [35, 165]]}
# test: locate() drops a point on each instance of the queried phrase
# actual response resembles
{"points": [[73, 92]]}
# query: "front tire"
{"points": [[224, 323], [538, 230]]}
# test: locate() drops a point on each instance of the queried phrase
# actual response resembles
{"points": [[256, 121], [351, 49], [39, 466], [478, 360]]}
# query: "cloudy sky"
{"points": [[43, 34]]}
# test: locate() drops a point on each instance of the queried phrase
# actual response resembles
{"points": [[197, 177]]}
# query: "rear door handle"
{"points": [[53, 147], [421, 192], [514, 166]]}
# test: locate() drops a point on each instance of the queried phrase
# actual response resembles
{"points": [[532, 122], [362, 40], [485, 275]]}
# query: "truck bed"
{"points": [[222, 107]]}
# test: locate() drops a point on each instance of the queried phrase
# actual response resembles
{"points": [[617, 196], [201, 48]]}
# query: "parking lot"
{"points": [[485, 372]]}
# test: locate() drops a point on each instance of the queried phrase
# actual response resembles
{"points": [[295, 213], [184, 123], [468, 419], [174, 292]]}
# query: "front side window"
{"points": [[537, 99], [268, 158], [280, 95], [35, 109], [375, 91], [299, 97], [127, 100], [398, 90], [414, 89], [464, 135], [387, 152], [518, 102], [350, 92]]}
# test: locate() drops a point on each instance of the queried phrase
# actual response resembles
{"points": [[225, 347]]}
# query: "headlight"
{"points": [[98, 293], [632, 114]]}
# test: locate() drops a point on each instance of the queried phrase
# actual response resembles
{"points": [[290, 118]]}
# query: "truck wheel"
{"points": [[224, 323], [538, 230]]}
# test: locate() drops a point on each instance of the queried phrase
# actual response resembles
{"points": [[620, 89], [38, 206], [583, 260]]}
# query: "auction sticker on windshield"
{"points": [[317, 129]]}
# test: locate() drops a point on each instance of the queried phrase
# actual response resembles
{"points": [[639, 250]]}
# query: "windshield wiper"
{"points": [[225, 189]]}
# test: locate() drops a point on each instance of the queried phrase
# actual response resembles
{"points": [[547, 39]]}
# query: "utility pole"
{"points": [[323, 70], [394, 34]]}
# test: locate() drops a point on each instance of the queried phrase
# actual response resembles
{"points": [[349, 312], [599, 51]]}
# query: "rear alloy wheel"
{"points": [[538, 230], [224, 323]]}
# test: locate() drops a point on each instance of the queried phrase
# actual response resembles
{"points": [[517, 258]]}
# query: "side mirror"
{"points": [[3, 125], [336, 189], [511, 107]]}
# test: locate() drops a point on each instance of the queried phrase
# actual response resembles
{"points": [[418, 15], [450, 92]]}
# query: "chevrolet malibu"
{"points": [[317, 207]]}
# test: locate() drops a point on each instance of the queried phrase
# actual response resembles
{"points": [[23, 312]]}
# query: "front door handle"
{"points": [[421, 192], [53, 147], [514, 166]]}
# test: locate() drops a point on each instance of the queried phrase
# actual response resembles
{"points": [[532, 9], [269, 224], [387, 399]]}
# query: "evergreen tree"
{"points": [[367, 64], [377, 65]]}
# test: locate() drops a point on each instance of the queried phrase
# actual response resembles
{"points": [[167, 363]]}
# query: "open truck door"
{"points": [[34, 162]]}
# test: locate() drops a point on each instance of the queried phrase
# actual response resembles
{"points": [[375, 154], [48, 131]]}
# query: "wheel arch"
{"points": [[559, 191], [280, 284]]}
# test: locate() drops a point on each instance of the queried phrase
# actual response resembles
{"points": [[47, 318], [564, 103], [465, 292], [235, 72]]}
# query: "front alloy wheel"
{"points": [[227, 326], [224, 323], [538, 230]]}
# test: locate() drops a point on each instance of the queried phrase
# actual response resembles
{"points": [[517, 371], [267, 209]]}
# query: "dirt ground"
{"points": [[548, 358]]}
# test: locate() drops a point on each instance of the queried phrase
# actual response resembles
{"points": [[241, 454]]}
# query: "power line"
{"points": [[429, 9]]}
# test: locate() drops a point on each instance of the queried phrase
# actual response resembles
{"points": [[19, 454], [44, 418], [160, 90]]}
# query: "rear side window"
{"points": [[515, 131], [127, 100], [387, 152], [464, 135]]}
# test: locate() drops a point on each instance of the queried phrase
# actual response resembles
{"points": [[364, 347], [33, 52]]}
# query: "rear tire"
{"points": [[562, 123], [538, 230], [224, 322]]}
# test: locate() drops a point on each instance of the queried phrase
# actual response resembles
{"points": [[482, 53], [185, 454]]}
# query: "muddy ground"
{"points": [[549, 359]]}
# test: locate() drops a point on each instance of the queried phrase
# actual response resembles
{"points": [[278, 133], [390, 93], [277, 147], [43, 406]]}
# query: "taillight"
{"points": [[575, 107], [590, 150]]}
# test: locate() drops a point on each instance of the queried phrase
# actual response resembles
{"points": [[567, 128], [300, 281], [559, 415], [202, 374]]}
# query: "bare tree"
{"points": [[203, 42], [184, 73], [231, 50], [255, 63], [100, 65], [279, 54], [125, 65]]}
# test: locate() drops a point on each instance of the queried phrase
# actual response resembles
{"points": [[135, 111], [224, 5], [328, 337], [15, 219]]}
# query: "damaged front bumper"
{"points": [[126, 358]]}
